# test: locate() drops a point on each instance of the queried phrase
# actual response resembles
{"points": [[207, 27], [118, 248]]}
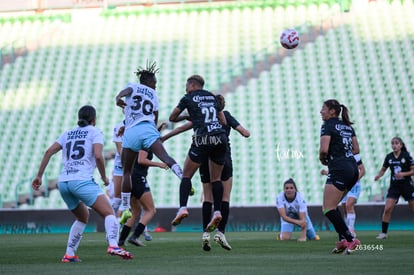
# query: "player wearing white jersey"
{"points": [[293, 211], [117, 172], [81, 153], [141, 117]]}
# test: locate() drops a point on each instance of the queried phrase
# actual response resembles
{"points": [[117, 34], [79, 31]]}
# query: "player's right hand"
{"points": [[36, 183]]}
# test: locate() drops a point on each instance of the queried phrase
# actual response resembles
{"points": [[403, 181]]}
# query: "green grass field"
{"points": [[181, 253]]}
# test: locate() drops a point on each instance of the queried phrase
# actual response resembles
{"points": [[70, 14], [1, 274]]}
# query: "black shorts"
{"points": [[225, 174], [343, 174], [406, 190], [213, 148], [140, 185]]}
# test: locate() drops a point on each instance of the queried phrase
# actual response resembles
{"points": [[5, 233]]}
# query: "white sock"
{"points": [[177, 171], [126, 197], [116, 202], [75, 236], [112, 230], [350, 218]]}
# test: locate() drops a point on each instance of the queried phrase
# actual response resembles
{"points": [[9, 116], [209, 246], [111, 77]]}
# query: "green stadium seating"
{"points": [[365, 63]]}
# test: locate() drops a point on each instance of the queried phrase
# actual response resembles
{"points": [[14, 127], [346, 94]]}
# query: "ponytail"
{"points": [[345, 115], [86, 115], [339, 109]]}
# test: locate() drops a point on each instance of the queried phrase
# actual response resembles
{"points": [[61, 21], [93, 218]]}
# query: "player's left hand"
{"points": [[106, 181]]}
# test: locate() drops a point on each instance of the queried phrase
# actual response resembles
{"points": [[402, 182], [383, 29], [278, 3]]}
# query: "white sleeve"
{"points": [[279, 201], [302, 203]]}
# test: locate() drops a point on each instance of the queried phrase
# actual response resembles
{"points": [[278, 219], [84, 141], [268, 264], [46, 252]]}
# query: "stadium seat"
{"points": [[365, 63]]}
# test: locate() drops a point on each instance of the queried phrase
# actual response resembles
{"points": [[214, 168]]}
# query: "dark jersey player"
{"points": [[209, 144], [401, 165], [338, 145], [141, 198]]}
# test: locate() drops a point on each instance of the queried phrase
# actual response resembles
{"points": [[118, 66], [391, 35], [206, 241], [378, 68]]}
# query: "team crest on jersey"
{"points": [[403, 160]]}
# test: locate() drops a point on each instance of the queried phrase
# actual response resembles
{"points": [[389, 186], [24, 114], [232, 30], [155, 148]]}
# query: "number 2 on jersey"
{"points": [[209, 114]]}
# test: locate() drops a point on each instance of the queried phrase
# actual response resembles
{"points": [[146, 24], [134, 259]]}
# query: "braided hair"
{"points": [[146, 75]]}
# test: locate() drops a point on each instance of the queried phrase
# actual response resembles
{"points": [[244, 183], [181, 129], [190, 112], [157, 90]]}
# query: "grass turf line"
{"points": [[181, 253]]}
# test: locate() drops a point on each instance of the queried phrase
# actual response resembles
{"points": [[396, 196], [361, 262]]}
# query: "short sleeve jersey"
{"points": [[231, 123], [78, 157], [292, 208], [202, 107], [340, 146], [401, 164], [115, 139], [142, 170], [140, 104]]}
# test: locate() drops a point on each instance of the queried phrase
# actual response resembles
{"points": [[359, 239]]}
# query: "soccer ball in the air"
{"points": [[289, 39]]}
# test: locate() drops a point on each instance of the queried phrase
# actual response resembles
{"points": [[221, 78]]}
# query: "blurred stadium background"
{"points": [[59, 55]]}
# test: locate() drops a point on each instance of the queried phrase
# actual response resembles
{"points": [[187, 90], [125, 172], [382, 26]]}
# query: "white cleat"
{"points": [[206, 241], [221, 240]]}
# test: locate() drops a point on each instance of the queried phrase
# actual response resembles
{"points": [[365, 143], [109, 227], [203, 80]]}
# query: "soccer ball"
{"points": [[289, 39]]}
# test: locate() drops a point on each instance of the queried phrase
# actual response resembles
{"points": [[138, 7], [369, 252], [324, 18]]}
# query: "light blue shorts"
{"points": [[117, 171], [140, 136], [289, 227], [76, 191], [354, 192]]}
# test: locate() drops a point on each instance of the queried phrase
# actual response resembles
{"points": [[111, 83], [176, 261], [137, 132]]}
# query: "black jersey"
{"points": [[340, 146], [231, 123], [141, 170], [202, 107], [401, 164]]}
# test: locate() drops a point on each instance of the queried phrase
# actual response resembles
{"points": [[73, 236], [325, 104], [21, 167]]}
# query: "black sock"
{"points": [[206, 213], [225, 210], [340, 237], [138, 230], [217, 194], [385, 227], [185, 188], [338, 222], [124, 233]]}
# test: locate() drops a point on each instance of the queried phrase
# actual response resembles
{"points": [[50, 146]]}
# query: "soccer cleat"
{"points": [[147, 236], [220, 238], [135, 241], [214, 221], [206, 241], [382, 236], [301, 239], [70, 259], [119, 251], [317, 238], [126, 214], [351, 246], [181, 214], [340, 247]]}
